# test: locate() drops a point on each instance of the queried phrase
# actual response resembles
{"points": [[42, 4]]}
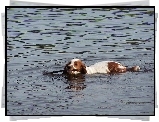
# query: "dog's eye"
{"points": [[75, 63]]}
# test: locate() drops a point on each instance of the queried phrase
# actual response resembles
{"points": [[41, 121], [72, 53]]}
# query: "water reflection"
{"points": [[75, 82]]}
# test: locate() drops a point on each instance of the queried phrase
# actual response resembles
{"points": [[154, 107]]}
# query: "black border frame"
{"points": [[6, 7]]}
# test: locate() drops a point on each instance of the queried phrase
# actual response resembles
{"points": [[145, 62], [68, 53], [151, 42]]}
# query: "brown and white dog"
{"points": [[76, 66]]}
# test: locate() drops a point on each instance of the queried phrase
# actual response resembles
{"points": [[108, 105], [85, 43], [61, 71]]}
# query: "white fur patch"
{"points": [[100, 67], [75, 72], [120, 66], [72, 62]]}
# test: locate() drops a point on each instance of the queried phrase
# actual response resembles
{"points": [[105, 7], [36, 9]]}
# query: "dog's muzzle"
{"points": [[71, 70]]}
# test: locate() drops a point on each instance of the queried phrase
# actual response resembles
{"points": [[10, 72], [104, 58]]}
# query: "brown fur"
{"points": [[113, 68], [83, 69]]}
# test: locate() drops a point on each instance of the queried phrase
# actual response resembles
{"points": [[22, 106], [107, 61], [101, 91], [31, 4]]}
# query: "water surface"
{"points": [[45, 39]]}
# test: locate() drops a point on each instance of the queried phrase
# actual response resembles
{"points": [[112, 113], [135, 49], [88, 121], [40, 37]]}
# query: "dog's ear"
{"points": [[65, 71], [83, 69], [65, 68]]}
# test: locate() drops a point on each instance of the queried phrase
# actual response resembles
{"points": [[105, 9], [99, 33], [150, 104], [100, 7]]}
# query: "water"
{"points": [[45, 39]]}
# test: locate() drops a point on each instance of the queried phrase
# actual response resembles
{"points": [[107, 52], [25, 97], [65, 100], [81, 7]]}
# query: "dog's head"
{"points": [[75, 66]]}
